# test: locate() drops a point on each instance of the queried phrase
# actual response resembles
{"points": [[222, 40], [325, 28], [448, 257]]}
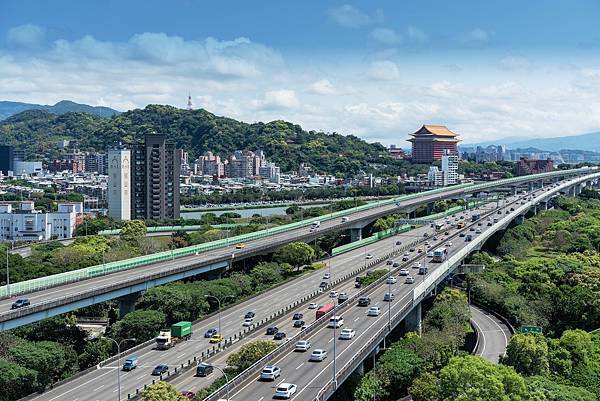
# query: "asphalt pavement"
{"points": [[494, 334]]}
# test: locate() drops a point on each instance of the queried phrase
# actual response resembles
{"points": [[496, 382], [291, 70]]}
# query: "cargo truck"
{"points": [[168, 338]]}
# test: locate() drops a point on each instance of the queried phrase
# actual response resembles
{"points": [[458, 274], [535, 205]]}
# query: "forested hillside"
{"points": [[196, 131]]}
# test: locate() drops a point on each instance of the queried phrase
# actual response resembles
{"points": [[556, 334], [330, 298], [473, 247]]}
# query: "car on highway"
{"points": [[302, 346], [388, 296], [403, 271], [411, 250], [210, 332], [420, 250], [489, 224], [364, 301], [374, 311], [430, 254], [409, 280], [448, 244], [326, 276], [313, 305], [20, 303], [323, 285], [280, 335], [272, 330], [297, 316], [159, 370], [416, 265], [204, 369], [318, 355], [435, 238], [298, 323], [478, 231], [344, 219], [396, 264], [248, 322], [369, 256], [347, 334], [333, 294], [285, 390], [389, 262], [343, 297], [241, 245], [472, 229], [270, 372], [398, 242], [249, 315], [130, 363], [335, 322], [391, 280], [404, 258], [216, 338], [447, 233], [188, 394], [461, 235]]}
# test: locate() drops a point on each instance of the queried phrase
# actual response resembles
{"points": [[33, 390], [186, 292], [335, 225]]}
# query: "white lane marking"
{"points": [[482, 337], [62, 393], [330, 340], [356, 320], [499, 327], [260, 399], [180, 355], [98, 388], [299, 366]]}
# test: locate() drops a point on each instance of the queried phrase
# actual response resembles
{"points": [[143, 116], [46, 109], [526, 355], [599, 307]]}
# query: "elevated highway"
{"points": [[67, 291]]}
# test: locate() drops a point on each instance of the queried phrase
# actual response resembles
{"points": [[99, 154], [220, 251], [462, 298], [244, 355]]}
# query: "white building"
{"points": [[270, 171], [24, 223], [435, 176], [449, 168], [118, 192]]}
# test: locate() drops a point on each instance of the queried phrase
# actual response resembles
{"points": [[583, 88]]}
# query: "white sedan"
{"points": [[248, 322], [369, 256], [391, 280], [333, 294], [374, 311], [403, 272], [347, 334], [313, 305], [285, 390], [318, 355]]}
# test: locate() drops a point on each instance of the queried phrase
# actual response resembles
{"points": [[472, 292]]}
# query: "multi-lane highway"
{"points": [[76, 294], [493, 334], [310, 377]]}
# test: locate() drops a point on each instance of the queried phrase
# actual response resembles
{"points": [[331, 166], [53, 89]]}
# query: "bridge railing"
{"points": [[112, 267]]}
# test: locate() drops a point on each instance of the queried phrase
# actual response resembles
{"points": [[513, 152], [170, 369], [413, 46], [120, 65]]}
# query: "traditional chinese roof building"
{"points": [[430, 142]]}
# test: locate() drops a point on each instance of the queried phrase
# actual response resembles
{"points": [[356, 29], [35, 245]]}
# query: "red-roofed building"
{"points": [[430, 142]]}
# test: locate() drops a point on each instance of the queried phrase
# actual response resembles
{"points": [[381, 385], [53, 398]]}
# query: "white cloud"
{"points": [[417, 36], [384, 71], [514, 63], [26, 36], [278, 99], [323, 87], [475, 38], [386, 36], [351, 17]]}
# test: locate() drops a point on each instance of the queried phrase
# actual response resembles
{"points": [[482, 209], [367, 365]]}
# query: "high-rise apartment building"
{"points": [[210, 164], [449, 168], [119, 189], [155, 168], [245, 164]]}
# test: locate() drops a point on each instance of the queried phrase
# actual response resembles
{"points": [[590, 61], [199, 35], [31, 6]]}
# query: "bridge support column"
{"points": [[360, 369], [355, 234], [430, 207], [127, 303], [520, 219], [573, 191], [515, 190], [412, 322], [543, 206]]}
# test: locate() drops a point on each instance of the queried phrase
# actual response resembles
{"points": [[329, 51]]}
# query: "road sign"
{"points": [[530, 329]]}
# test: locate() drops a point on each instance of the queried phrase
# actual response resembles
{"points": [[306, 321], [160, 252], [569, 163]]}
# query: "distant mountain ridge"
{"points": [[8, 108], [586, 142]]}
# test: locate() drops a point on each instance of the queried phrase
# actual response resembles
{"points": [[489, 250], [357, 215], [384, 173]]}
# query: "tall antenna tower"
{"points": [[189, 105]]}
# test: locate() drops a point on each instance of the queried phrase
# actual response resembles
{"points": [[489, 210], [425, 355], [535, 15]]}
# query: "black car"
{"points": [[299, 323], [210, 332], [396, 264], [20, 303], [204, 369], [323, 284], [398, 242], [389, 262], [461, 235], [280, 335], [405, 258], [159, 370], [357, 284], [364, 301], [249, 315], [297, 316], [272, 330]]}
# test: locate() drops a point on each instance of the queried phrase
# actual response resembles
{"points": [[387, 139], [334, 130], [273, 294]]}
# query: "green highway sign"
{"points": [[531, 329]]}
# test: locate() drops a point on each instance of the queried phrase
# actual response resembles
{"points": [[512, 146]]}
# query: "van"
{"points": [[130, 363], [204, 369], [336, 321], [423, 270]]}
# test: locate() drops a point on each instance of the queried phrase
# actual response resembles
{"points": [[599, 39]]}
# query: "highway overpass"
{"points": [[64, 292]]}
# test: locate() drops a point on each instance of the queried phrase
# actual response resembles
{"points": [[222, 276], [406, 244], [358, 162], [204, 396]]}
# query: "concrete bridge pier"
{"points": [[543, 206], [127, 303], [520, 219], [412, 321], [430, 207], [355, 234]]}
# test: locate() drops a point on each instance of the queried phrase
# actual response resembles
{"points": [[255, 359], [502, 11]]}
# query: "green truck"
{"points": [[168, 338]]}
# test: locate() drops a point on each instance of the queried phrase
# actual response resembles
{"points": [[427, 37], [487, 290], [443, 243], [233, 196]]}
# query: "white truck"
{"points": [[164, 340]]}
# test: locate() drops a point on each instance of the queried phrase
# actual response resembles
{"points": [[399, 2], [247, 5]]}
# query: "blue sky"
{"points": [[377, 69]]}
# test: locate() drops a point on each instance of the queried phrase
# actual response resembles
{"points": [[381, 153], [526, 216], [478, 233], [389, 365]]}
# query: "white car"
{"points": [[403, 272], [374, 311], [313, 305], [248, 322], [388, 297], [369, 256], [302, 346], [318, 355], [417, 265], [333, 294], [448, 244], [326, 276], [409, 280], [270, 372], [347, 334], [391, 280], [430, 254], [285, 390]]}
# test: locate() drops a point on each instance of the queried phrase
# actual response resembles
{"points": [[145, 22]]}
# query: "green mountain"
{"points": [[196, 131], [8, 109]]}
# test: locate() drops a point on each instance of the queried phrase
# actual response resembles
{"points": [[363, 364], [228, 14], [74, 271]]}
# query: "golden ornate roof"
{"points": [[434, 130]]}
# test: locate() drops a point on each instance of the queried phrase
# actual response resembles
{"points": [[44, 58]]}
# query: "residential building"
{"points": [[430, 142], [28, 168], [119, 190], [209, 164], [270, 171], [96, 163], [21, 222], [9, 155], [526, 166], [449, 168], [435, 176], [155, 170], [245, 164]]}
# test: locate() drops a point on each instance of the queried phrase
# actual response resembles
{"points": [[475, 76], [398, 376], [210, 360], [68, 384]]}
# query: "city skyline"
{"points": [[376, 70]]}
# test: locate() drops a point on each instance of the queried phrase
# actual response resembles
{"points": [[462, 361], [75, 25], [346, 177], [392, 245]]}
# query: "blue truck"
{"points": [[130, 363]]}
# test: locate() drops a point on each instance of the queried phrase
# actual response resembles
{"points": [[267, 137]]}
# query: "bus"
{"points": [[440, 254], [439, 226], [324, 309]]}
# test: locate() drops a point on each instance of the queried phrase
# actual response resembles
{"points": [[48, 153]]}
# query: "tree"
{"points": [[94, 352], [369, 387], [140, 324], [425, 388], [250, 353], [16, 381], [553, 391], [528, 354], [295, 253], [579, 345], [265, 274], [53, 361], [132, 231], [162, 391]]}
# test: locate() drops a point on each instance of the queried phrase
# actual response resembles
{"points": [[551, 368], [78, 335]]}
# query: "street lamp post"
{"points": [[334, 381], [7, 274], [218, 310], [118, 344]]}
